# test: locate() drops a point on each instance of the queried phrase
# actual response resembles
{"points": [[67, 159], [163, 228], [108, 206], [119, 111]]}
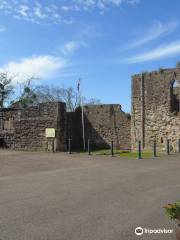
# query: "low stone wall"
{"points": [[106, 123], [103, 124], [24, 129]]}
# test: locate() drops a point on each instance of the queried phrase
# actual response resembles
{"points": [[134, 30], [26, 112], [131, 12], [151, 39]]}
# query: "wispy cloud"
{"points": [[41, 12], [34, 11], [157, 53], [71, 46], [2, 29], [23, 10], [43, 66], [133, 1], [102, 4], [157, 30]]}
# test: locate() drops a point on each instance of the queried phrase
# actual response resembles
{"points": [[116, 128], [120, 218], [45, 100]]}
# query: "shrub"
{"points": [[173, 210]]}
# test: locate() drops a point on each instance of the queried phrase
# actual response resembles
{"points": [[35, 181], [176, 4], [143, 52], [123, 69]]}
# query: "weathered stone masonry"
{"points": [[103, 124], [155, 109], [106, 123], [24, 129]]}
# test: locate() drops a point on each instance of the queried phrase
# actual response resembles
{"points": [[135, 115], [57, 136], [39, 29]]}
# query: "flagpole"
{"points": [[82, 112]]}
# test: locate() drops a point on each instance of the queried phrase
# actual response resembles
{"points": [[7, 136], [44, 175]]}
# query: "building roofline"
{"points": [[155, 71]]}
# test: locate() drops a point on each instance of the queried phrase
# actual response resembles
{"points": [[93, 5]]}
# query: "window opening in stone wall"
{"points": [[174, 96]]}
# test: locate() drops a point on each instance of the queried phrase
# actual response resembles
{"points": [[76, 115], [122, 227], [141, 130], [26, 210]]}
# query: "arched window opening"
{"points": [[174, 96]]}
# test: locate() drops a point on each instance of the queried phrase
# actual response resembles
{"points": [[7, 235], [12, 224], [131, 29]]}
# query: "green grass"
{"points": [[121, 153]]}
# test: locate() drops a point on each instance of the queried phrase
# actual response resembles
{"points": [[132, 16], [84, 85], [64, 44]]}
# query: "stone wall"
{"points": [[155, 109], [24, 129], [103, 124]]}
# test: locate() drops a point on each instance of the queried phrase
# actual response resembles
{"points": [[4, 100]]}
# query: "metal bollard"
{"points": [[167, 147], [89, 149], [112, 149], [154, 149], [139, 150], [179, 145], [69, 146], [53, 146]]}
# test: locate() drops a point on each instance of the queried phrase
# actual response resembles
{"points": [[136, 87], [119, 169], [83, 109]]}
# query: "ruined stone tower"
{"points": [[156, 109]]}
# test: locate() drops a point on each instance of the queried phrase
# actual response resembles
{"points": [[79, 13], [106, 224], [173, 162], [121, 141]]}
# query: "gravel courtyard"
{"points": [[76, 197]]}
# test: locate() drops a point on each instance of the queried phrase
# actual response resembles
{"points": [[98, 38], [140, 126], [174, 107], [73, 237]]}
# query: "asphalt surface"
{"points": [[62, 197]]}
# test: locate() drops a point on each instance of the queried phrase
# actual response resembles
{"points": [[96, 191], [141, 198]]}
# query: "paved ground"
{"points": [[63, 197]]}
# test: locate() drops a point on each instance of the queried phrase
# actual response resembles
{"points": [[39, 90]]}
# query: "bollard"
{"points": [[112, 149], [154, 149], [167, 147], [179, 145], [139, 150], [69, 146], [89, 149], [53, 146]]}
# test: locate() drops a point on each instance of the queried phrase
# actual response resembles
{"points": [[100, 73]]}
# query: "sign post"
{"points": [[50, 135]]}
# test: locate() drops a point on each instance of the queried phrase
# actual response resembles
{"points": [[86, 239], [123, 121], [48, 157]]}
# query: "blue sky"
{"points": [[102, 41]]}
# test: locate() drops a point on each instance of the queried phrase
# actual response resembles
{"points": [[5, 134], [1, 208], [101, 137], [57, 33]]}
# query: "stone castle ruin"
{"points": [[156, 109], [48, 127], [25, 129]]}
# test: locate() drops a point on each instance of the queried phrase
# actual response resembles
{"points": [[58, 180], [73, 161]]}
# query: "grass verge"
{"points": [[120, 153]]}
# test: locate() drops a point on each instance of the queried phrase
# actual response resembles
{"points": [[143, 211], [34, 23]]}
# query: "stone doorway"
{"points": [[2, 143]]}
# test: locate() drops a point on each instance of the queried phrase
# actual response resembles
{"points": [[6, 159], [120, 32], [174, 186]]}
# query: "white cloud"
{"points": [[158, 53], [33, 11], [133, 1], [2, 29], [39, 11], [71, 46], [23, 10], [155, 31], [102, 4], [44, 66], [42, 12], [66, 8]]}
